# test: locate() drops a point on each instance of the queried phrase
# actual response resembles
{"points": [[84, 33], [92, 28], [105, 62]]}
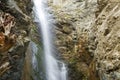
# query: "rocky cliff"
{"points": [[88, 38], [74, 41], [107, 33], [14, 31]]}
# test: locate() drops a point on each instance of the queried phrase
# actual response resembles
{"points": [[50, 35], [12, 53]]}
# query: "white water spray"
{"points": [[55, 70]]}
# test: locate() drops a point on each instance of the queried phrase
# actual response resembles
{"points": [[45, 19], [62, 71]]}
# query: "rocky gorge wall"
{"points": [[74, 40], [88, 38], [15, 26], [107, 33]]}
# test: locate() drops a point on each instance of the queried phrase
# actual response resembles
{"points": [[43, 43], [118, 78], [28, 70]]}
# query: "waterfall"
{"points": [[54, 69]]}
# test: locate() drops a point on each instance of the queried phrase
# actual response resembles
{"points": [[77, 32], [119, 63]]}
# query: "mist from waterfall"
{"points": [[54, 69]]}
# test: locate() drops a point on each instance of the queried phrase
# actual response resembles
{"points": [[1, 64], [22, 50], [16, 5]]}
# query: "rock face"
{"points": [[88, 38], [107, 32], [73, 22], [14, 32]]}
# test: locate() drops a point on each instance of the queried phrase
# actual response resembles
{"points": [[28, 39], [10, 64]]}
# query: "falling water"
{"points": [[54, 69]]}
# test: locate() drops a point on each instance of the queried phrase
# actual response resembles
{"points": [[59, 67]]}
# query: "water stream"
{"points": [[54, 69]]}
